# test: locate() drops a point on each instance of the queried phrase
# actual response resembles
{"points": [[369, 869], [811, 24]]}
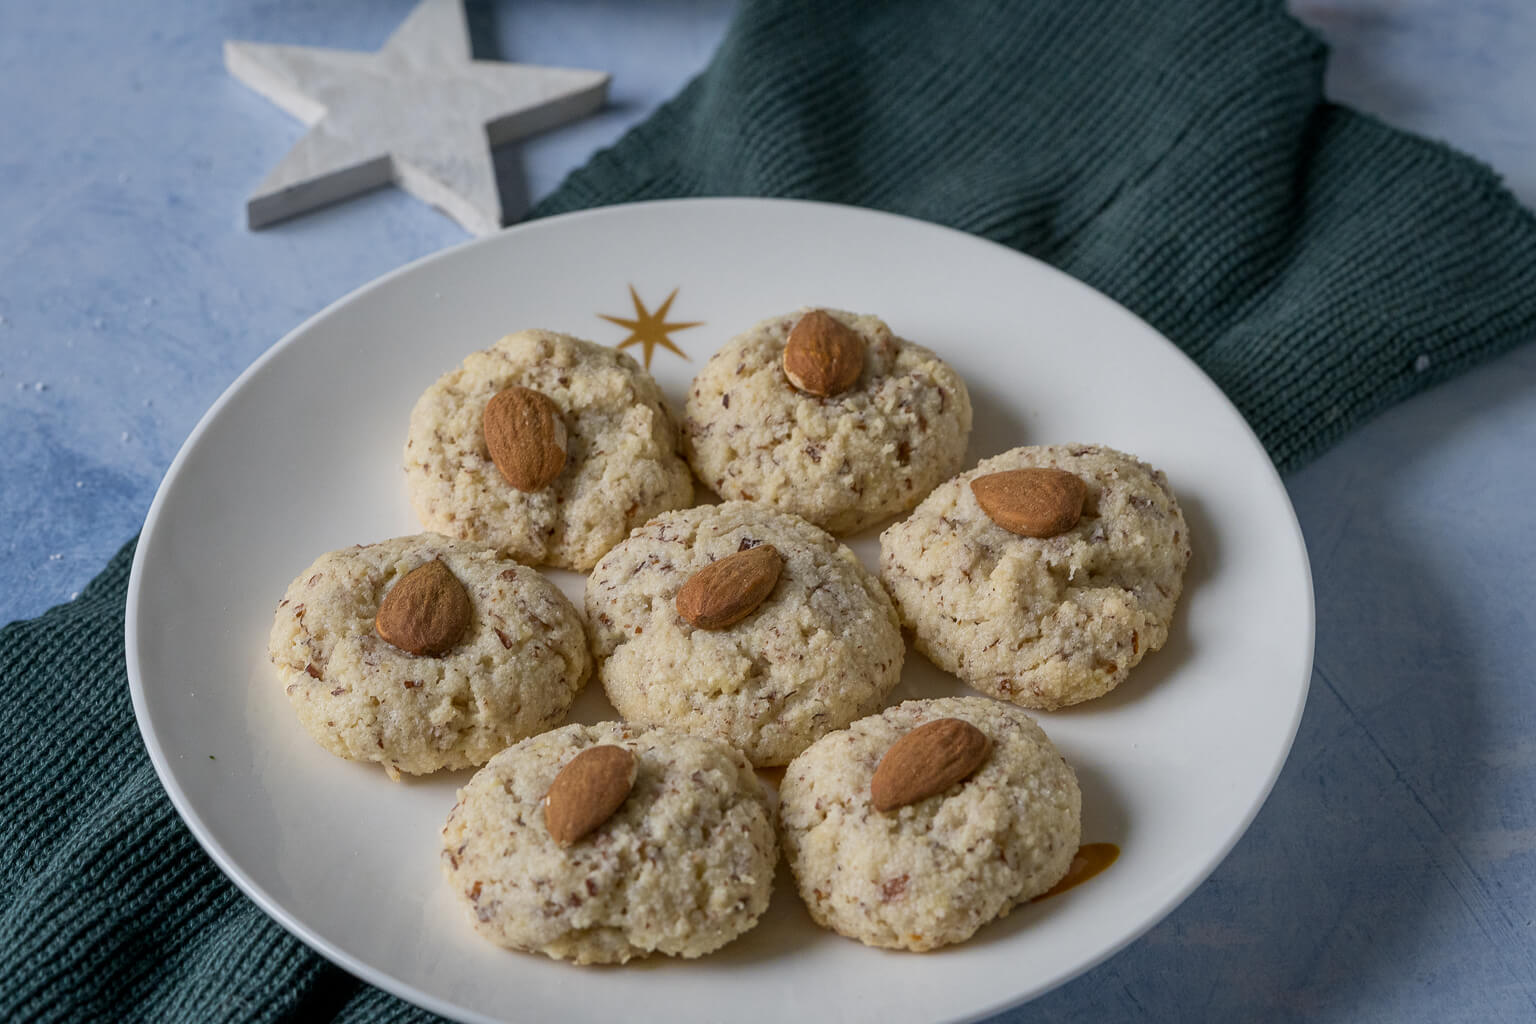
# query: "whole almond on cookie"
{"points": [[1032, 502], [822, 356], [725, 592], [928, 760], [590, 787], [526, 437], [426, 611]]}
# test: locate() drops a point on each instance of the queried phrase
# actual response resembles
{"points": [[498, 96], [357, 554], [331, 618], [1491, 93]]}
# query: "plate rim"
{"points": [[389, 982]]}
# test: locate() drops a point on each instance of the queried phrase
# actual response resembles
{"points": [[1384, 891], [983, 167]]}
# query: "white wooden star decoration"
{"points": [[421, 113]]}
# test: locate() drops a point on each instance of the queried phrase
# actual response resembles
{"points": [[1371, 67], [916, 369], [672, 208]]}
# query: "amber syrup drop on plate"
{"points": [[1089, 860]]}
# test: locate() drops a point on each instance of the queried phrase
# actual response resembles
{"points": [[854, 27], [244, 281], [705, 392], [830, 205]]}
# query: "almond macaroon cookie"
{"points": [[603, 843], [828, 415], [912, 828], [1042, 576], [546, 447], [422, 653], [745, 623]]}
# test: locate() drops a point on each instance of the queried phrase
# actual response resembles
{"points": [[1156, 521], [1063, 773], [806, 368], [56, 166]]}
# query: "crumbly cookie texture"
{"points": [[823, 649], [513, 673], [622, 465], [1042, 622], [931, 873], [844, 462], [684, 865]]}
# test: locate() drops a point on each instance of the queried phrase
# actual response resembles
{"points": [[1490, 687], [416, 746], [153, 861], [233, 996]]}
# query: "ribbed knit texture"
{"points": [[1176, 155]]}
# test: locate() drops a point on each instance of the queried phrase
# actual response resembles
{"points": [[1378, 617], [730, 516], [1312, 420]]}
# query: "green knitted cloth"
{"points": [[1177, 156]]}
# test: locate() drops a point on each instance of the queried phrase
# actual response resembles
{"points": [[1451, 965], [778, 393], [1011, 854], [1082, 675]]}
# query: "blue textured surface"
{"points": [[1392, 874], [131, 293]]}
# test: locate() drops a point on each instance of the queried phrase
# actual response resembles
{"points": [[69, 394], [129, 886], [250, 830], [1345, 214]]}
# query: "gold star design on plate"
{"points": [[648, 329]]}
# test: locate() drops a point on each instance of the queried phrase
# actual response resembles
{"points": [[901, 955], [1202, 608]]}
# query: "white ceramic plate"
{"points": [[302, 455]]}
